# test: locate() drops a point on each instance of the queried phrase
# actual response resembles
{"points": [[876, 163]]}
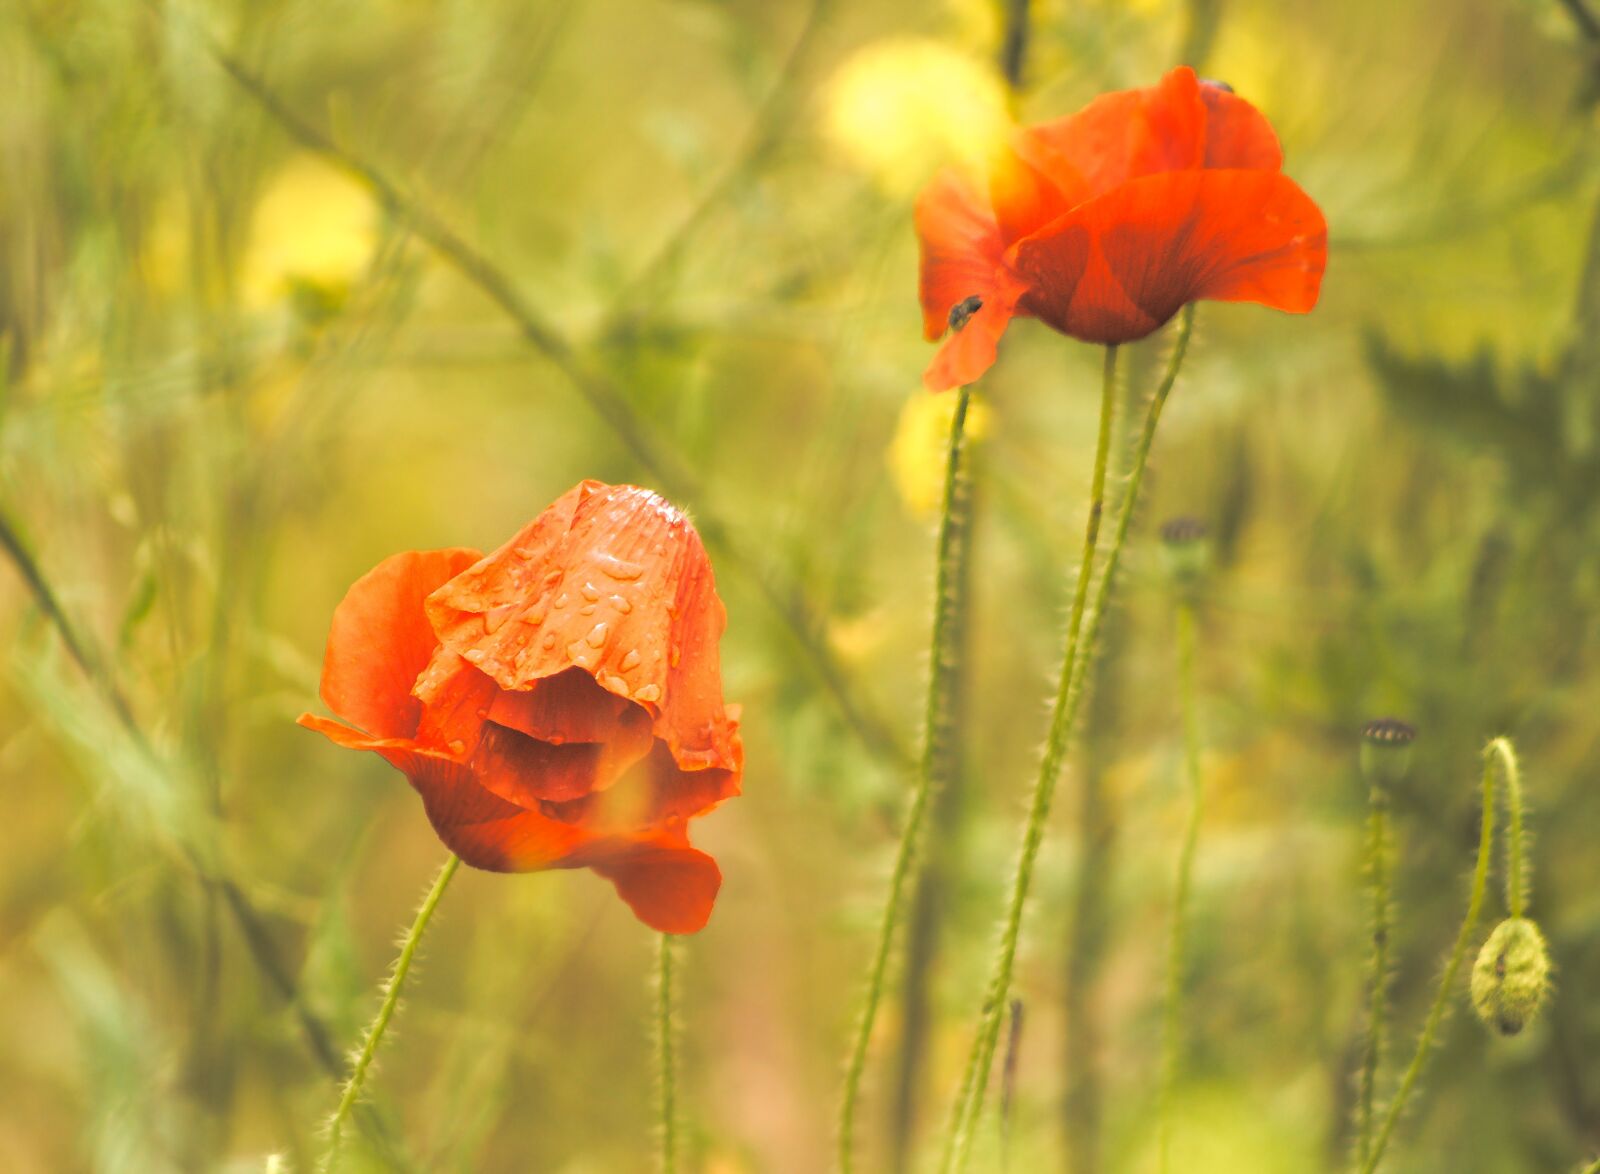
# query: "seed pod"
{"points": [[1185, 550], [1511, 976], [1386, 751]]}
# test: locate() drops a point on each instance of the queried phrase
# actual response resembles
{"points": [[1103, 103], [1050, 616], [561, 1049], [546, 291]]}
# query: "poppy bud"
{"points": [[1511, 976], [1185, 550], [1386, 751]]}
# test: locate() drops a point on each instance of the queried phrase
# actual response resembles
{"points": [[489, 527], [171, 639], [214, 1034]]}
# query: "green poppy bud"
{"points": [[1386, 751], [1511, 976]]}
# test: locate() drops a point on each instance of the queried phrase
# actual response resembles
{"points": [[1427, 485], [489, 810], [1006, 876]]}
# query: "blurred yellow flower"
{"points": [[900, 108], [920, 445], [313, 232]]}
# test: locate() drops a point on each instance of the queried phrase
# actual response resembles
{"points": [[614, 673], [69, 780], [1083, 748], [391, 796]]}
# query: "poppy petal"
{"points": [[485, 831], [972, 350], [655, 794], [1238, 136], [568, 707], [1130, 133], [670, 887], [1158, 242], [614, 581], [380, 640], [529, 773], [960, 250]]}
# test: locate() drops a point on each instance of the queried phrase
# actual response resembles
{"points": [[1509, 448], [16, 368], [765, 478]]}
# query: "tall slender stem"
{"points": [[969, 1098], [1498, 750], [936, 755], [391, 1000], [1517, 886], [1377, 865], [666, 1062], [1172, 1048]]}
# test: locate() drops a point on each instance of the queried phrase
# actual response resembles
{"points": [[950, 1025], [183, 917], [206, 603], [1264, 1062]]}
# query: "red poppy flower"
{"points": [[1105, 223], [557, 703]]}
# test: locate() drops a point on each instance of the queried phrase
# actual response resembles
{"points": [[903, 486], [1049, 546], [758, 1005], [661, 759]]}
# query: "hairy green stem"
{"points": [[1172, 1047], [969, 1098], [391, 1000], [1500, 751], [1517, 884], [938, 740], [666, 1064], [1377, 868]]}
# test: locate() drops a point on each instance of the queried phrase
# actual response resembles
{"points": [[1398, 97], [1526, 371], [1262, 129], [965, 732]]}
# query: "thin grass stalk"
{"points": [[391, 1000], [1497, 750], [938, 740], [1172, 1032], [969, 1099], [1377, 868]]}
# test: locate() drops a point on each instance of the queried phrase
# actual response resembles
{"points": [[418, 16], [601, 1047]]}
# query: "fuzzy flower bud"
{"points": [[1386, 751], [1511, 976]]}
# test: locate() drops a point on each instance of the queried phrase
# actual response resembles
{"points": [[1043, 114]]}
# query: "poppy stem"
{"points": [[1498, 751], [666, 1061], [1377, 868], [391, 1000], [968, 1106], [1173, 1020], [934, 765]]}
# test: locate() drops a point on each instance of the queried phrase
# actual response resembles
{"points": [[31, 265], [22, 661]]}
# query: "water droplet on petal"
{"points": [[651, 692], [616, 685], [581, 657], [457, 747], [588, 609], [549, 640], [673, 656], [591, 592], [631, 661], [597, 635], [495, 617], [475, 655], [620, 602], [618, 568], [561, 600]]}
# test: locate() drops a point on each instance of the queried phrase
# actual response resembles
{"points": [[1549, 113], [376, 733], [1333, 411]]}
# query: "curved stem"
{"points": [[1500, 750], [1172, 1030], [1377, 865], [1517, 885], [932, 768], [391, 1000], [666, 1064]]}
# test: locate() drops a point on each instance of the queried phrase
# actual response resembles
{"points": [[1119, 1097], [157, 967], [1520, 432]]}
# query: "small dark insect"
{"points": [[1211, 81], [961, 313]]}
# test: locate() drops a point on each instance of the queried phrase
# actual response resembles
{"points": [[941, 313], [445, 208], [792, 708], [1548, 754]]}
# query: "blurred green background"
{"points": [[235, 376]]}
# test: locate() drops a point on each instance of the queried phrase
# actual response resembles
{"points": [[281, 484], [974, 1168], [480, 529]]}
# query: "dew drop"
{"points": [[588, 609], [561, 600], [591, 592], [549, 640], [581, 657], [631, 661], [616, 685], [620, 602], [495, 617], [617, 568], [457, 747], [597, 635], [673, 656], [475, 655], [651, 692]]}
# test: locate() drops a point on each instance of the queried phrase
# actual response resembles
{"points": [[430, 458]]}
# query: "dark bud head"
{"points": [[1185, 550], [961, 313], [1386, 751]]}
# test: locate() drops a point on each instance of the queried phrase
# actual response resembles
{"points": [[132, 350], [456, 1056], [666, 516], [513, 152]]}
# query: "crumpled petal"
{"points": [[612, 580], [670, 886]]}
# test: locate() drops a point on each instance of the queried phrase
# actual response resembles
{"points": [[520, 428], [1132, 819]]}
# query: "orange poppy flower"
{"points": [[557, 703], [1103, 224]]}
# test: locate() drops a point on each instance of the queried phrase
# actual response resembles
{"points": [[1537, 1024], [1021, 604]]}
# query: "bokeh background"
{"points": [[235, 374]]}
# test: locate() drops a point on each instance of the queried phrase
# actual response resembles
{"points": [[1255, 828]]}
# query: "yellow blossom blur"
{"points": [[920, 445], [900, 108], [314, 227]]}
